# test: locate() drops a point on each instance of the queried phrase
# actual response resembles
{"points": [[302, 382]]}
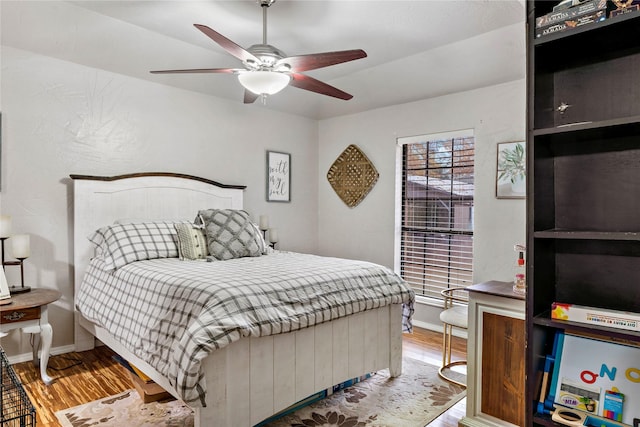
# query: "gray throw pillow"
{"points": [[230, 233]]}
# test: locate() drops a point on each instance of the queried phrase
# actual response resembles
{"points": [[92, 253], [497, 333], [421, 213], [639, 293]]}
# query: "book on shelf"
{"points": [[570, 13], [572, 23], [596, 316]]}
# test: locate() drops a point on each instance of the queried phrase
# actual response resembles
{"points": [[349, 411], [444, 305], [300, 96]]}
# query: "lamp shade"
{"points": [[20, 246], [264, 222], [264, 82], [5, 226]]}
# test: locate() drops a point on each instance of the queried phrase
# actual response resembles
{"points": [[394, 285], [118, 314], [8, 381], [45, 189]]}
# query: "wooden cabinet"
{"points": [[583, 196], [495, 356]]}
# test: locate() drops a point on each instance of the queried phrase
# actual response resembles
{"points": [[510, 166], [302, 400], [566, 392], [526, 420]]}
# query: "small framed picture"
{"points": [[278, 177], [511, 170]]}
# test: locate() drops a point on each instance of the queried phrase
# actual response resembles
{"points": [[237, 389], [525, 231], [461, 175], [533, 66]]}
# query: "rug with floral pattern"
{"points": [[413, 399]]}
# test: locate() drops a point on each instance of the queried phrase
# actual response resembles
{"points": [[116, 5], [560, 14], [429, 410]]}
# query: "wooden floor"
{"points": [[91, 375]]}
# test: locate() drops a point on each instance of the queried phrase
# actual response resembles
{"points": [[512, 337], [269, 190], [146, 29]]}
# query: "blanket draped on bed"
{"points": [[172, 313]]}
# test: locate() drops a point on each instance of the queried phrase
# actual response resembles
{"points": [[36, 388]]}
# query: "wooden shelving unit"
{"points": [[583, 195]]}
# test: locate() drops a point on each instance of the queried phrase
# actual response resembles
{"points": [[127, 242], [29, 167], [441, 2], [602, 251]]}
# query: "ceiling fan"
{"points": [[268, 70]]}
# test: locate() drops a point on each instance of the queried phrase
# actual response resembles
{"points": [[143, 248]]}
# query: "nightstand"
{"points": [[28, 312]]}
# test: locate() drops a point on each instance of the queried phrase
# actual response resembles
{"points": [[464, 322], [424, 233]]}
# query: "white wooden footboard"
{"points": [[255, 378]]}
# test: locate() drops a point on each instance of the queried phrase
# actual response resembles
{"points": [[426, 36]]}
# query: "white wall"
{"points": [[60, 118], [496, 114]]}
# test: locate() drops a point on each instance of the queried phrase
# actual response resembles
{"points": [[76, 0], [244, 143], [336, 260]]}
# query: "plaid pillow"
{"points": [[230, 233], [120, 244]]}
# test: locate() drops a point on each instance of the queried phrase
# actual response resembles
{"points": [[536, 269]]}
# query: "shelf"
{"points": [[587, 184], [587, 235], [604, 57], [584, 127], [583, 152], [612, 334]]}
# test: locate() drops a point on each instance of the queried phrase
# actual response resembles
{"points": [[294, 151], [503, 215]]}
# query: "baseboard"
{"points": [[27, 357], [437, 327]]}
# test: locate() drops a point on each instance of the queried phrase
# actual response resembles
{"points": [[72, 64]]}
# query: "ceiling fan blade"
{"points": [[313, 61], [250, 97], [201, 70], [231, 47], [302, 81]]}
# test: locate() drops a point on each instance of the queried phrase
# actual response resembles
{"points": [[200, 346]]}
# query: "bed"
{"points": [[251, 378]]}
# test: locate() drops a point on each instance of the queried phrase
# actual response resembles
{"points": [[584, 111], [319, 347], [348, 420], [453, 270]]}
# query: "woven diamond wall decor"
{"points": [[352, 176]]}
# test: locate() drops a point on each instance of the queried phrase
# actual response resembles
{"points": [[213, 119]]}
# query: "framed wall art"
{"points": [[511, 170], [278, 177]]}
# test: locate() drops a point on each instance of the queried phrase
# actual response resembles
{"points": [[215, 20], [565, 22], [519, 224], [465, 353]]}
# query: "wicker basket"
{"points": [[16, 409], [352, 176]]}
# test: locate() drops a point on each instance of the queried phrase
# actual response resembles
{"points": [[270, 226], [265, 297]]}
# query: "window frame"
{"points": [[401, 142]]}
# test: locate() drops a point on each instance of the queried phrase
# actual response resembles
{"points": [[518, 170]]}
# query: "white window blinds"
{"points": [[436, 247]]}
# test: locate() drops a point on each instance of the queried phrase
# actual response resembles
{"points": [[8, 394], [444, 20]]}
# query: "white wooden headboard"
{"points": [[100, 201]]}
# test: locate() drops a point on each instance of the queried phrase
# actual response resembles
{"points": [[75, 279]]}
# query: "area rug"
{"points": [[413, 399]]}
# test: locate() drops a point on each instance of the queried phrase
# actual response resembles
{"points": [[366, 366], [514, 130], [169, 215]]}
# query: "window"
{"points": [[436, 212]]}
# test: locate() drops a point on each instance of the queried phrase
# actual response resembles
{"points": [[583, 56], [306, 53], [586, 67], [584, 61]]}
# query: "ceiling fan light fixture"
{"points": [[264, 82]]}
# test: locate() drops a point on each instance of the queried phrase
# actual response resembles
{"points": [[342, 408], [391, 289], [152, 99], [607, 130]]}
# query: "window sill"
{"points": [[433, 302]]}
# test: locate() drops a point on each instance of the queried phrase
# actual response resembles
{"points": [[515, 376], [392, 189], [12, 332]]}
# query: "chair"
{"points": [[453, 315]]}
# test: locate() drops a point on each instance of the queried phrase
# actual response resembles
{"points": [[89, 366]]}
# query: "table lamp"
{"points": [[20, 248]]}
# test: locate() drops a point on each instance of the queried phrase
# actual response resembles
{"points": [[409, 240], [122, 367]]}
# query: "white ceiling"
{"points": [[416, 49]]}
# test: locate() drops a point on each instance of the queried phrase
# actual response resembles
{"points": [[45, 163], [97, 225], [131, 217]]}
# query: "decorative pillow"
{"points": [[230, 233], [192, 242], [120, 244]]}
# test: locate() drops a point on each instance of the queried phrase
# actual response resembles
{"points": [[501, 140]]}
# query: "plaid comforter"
{"points": [[172, 313]]}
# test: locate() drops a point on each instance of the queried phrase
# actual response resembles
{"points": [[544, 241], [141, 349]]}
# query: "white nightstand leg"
{"points": [[46, 337], [46, 333]]}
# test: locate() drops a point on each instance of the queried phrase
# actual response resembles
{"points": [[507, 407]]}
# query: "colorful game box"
{"points": [[613, 405], [596, 316]]}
